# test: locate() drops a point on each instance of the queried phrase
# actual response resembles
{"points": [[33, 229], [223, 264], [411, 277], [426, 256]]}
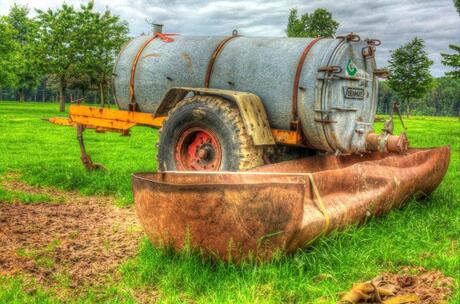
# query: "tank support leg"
{"points": [[85, 158]]}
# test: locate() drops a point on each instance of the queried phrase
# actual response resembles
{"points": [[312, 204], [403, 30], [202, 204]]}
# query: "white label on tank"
{"points": [[353, 93]]}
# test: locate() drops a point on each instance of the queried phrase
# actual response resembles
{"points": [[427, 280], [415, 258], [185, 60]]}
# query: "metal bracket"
{"points": [[381, 73], [373, 42], [331, 69], [351, 37]]}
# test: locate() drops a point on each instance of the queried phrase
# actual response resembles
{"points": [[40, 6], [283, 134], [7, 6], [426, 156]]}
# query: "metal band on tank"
{"points": [[114, 91], [132, 96], [213, 58], [324, 83], [295, 87]]}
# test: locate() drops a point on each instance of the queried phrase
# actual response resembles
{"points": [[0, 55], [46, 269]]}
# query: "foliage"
{"points": [[442, 100], [80, 46], [8, 53], [104, 34], [409, 68], [59, 32], [319, 23], [453, 60], [48, 155], [28, 66], [386, 97]]}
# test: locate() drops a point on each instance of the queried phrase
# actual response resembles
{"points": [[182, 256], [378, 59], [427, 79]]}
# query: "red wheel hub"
{"points": [[198, 149]]}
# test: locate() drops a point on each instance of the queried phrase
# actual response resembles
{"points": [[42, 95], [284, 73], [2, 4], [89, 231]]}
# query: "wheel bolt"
{"points": [[202, 153]]}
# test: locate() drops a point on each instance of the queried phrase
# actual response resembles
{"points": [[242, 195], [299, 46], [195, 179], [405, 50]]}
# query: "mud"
{"points": [[431, 286], [81, 241], [410, 285]]}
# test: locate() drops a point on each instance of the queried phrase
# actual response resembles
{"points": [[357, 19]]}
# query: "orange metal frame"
{"points": [[111, 120], [290, 138], [103, 119]]}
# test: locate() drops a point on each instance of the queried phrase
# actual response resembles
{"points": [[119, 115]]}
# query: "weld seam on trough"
{"points": [[295, 87], [212, 60], [320, 205], [177, 185]]}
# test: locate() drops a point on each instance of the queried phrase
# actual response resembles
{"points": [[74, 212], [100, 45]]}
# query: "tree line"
{"points": [[66, 48], [410, 84], [69, 49]]}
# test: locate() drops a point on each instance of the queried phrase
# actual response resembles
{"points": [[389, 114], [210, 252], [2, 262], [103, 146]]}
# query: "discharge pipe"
{"points": [[386, 142]]}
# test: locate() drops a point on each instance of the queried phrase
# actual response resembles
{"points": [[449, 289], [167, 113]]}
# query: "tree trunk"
{"points": [[44, 91], [62, 89], [106, 94], [101, 89], [109, 94], [437, 106], [408, 109], [22, 96]]}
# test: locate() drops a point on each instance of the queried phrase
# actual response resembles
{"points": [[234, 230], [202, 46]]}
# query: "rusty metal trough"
{"points": [[234, 215]]}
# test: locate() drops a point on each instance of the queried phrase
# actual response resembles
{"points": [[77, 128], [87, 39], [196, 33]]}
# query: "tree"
{"points": [[103, 36], [59, 46], [8, 54], [28, 68], [409, 69], [80, 47], [453, 60], [319, 23], [385, 97]]}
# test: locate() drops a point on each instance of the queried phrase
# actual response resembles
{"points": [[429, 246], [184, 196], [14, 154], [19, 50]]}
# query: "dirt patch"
{"points": [[431, 286], [411, 285], [76, 243]]}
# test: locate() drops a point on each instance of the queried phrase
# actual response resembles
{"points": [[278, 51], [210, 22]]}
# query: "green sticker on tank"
{"points": [[351, 68]]}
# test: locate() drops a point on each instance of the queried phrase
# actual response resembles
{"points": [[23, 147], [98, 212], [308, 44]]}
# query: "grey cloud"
{"points": [[395, 22]]}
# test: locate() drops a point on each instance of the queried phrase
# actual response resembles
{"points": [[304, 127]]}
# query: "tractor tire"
{"points": [[206, 133]]}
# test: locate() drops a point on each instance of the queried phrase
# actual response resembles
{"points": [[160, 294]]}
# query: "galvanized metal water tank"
{"points": [[335, 96]]}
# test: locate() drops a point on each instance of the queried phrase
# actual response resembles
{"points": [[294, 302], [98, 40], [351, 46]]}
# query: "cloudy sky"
{"points": [[393, 21]]}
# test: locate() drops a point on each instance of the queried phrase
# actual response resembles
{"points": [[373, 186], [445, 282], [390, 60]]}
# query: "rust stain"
{"points": [[281, 206], [188, 60], [152, 55]]}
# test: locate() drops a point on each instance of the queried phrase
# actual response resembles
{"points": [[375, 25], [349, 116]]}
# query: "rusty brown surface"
{"points": [[262, 211], [387, 142]]}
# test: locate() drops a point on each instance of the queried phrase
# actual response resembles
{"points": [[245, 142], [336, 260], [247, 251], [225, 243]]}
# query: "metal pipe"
{"points": [[157, 28], [387, 143]]}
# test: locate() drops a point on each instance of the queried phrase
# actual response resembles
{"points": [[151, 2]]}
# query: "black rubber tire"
{"points": [[220, 116]]}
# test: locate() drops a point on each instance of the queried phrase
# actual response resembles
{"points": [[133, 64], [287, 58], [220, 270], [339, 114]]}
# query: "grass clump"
{"points": [[8, 196]]}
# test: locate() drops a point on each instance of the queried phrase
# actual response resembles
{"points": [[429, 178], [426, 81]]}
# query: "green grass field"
{"points": [[425, 233]]}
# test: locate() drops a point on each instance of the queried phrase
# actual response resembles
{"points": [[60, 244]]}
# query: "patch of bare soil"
{"points": [[411, 285], [78, 242]]}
